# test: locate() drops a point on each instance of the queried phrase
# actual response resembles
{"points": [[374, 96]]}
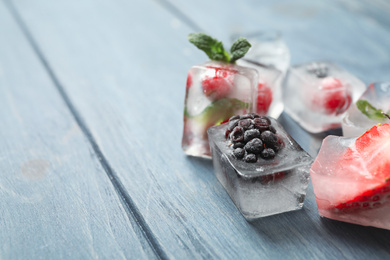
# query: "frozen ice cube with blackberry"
{"points": [[317, 95], [369, 110], [264, 171]]}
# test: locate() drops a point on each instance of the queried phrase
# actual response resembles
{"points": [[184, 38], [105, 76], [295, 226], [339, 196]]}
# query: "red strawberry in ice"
{"points": [[335, 97], [264, 99], [219, 85], [371, 156]]}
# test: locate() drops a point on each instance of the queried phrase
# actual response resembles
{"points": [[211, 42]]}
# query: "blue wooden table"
{"points": [[91, 106]]}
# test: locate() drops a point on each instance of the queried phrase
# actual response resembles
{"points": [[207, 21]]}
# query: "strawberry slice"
{"points": [[264, 99], [370, 154]]}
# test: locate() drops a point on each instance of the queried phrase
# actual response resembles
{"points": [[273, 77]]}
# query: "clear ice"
{"points": [[355, 123], [266, 187], [270, 56], [316, 95], [215, 91], [336, 183]]}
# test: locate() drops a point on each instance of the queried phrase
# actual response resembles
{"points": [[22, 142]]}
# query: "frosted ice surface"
{"points": [[266, 187], [355, 123], [270, 56], [215, 91], [338, 186]]}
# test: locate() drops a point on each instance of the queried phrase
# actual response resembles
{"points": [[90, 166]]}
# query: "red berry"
{"points": [[371, 153], [264, 99], [215, 88], [189, 81], [336, 99]]}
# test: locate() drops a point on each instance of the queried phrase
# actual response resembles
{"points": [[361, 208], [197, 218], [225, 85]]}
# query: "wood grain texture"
{"points": [[123, 66], [56, 201]]}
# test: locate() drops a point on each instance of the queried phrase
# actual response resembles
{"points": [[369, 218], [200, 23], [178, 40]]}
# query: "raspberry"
{"points": [[218, 86], [215, 88], [189, 81], [264, 99], [335, 99]]}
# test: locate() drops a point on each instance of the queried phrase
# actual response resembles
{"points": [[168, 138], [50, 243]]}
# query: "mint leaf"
{"points": [[220, 110], [212, 47], [369, 110], [239, 49]]}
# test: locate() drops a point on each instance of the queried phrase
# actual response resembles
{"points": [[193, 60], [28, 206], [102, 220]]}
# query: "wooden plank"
{"points": [[56, 200], [124, 67]]}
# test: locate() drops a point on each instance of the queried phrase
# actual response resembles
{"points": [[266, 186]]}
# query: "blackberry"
{"points": [[239, 153], [270, 139], [237, 134], [250, 158], [254, 146], [251, 134], [268, 153]]}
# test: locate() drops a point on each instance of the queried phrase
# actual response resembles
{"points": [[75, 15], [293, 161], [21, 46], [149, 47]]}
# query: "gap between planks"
{"points": [[131, 209]]}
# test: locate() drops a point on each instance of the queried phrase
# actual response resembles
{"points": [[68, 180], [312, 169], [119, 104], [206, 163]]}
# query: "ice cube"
{"points": [[270, 56], [316, 95], [266, 187], [269, 95], [215, 92], [348, 185], [355, 123], [268, 48]]}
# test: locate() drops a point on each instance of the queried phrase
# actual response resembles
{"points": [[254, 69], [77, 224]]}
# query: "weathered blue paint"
{"points": [[121, 67], [55, 200]]}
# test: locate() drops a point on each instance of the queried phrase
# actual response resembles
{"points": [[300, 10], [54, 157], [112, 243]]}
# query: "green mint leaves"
{"points": [[239, 49], [370, 111], [215, 50]]}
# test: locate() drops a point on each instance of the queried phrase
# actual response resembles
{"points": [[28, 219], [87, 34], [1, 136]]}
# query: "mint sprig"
{"points": [[215, 50], [370, 111]]}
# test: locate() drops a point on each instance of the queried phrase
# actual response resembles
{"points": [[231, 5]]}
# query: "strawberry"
{"points": [[264, 99], [371, 155], [336, 99]]}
